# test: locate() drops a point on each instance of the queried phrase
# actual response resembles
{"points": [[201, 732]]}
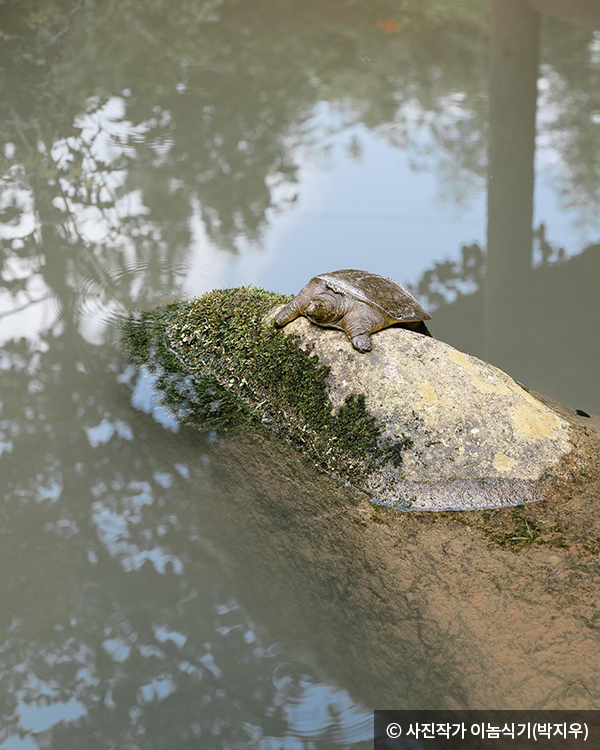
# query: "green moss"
{"points": [[394, 450], [143, 339], [198, 398], [237, 368]]}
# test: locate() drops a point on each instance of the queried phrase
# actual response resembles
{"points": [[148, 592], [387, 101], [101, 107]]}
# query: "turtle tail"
{"points": [[417, 326]]}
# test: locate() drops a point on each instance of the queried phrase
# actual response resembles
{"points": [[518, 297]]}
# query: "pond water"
{"points": [[153, 594]]}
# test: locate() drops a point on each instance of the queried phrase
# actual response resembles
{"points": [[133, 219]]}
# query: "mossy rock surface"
{"points": [[415, 423], [219, 356]]}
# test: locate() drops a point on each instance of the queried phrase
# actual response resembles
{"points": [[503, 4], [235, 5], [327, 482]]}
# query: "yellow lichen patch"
{"points": [[533, 423], [429, 396], [502, 462], [530, 420], [477, 378]]}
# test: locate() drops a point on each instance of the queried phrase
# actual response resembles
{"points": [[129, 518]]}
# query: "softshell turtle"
{"points": [[357, 302]]}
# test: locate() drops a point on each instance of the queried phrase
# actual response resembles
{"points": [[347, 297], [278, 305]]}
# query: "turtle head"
{"points": [[326, 307]]}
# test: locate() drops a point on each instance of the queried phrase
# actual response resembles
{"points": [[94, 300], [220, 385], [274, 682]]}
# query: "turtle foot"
{"points": [[362, 342]]}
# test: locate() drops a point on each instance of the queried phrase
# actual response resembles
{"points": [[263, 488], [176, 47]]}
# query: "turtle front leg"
{"points": [[359, 323], [358, 328], [297, 306]]}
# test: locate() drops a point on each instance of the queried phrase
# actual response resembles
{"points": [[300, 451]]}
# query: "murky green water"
{"points": [[153, 150]]}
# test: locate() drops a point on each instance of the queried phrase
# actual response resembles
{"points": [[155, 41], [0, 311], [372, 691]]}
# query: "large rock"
{"points": [[472, 436], [415, 423]]}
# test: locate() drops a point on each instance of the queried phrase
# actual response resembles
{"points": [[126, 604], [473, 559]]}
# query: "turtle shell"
{"points": [[377, 291]]}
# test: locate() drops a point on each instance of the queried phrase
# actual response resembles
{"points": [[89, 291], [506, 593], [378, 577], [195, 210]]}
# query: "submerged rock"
{"points": [[415, 423]]}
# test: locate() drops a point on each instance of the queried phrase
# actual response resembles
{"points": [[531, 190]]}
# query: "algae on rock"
{"points": [[415, 423]]}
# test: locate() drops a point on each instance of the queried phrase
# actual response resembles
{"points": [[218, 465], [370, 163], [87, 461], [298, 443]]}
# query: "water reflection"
{"points": [[115, 606], [159, 149]]}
